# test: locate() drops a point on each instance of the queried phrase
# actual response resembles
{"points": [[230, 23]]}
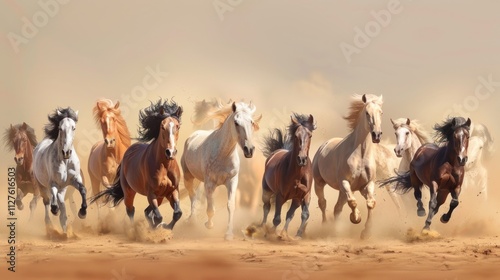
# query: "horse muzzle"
{"points": [[398, 152], [376, 136], [301, 161], [462, 160], [248, 151], [67, 154], [19, 160], [170, 153], [110, 143]]}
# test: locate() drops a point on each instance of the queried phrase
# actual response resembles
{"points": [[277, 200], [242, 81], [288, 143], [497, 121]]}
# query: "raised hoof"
{"points": [[228, 236], [82, 213], [421, 212], [444, 219], [209, 225], [353, 218], [54, 209]]}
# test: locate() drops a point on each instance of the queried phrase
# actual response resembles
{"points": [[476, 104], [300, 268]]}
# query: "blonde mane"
{"points": [[206, 110], [415, 127], [104, 105], [357, 106]]}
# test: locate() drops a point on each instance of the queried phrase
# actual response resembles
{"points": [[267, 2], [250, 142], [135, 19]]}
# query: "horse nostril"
{"points": [[374, 135], [168, 153]]}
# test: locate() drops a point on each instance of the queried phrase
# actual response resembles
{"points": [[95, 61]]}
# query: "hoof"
{"points": [[209, 225], [82, 213], [228, 236], [167, 226], [353, 218], [54, 209], [365, 235], [444, 219], [297, 237], [421, 212], [20, 205]]}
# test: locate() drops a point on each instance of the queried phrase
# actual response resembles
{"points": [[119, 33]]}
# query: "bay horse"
{"points": [[350, 164], [288, 172], [21, 139], [150, 169], [56, 165], [106, 155], [441, 167], [211, 156]]}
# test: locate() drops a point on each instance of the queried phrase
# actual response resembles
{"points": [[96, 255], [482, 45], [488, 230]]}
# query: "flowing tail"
{"points": [[114, 193], [403, 182]]}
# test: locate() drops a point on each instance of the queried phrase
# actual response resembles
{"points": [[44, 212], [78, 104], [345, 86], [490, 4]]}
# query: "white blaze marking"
{"points": [[172, 138]]}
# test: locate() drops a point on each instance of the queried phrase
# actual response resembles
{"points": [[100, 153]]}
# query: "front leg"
{"points": [[83, 192], [174, 202], [453, 204], [231, 205], [53, 199]]}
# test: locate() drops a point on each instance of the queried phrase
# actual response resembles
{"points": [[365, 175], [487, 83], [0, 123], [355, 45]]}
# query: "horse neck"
{"points": [[450, 154], [361, 137], [415, 144], [118, 151], [159, 153], [225, 138], [28, 157]]}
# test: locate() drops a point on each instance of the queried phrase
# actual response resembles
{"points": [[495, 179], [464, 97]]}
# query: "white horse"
{"points": [[476, 175], [410, 135], [211, 156], [56, 165], [350, 164]]}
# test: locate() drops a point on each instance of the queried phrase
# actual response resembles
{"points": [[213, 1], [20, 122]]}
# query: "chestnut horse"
{"points": [[441, 167], [150, 168], [21, 138], [106, 155], [288, 172]]}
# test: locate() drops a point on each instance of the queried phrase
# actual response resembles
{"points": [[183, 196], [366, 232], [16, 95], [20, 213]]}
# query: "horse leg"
{"points": [[174, 202], [63, 218], [152, 212], [277, 211], [453, 204], [417, 192], [209, 192], [71, 200], [433, 205], [33, 203], [266, 198], [46, 203], [289, 216], [341, 201], [319, 189], [19, 198], [304, 216], [128, 199], [53, 201], [231, 205], [355, 217], [369, 193], [190, 187], [83, 193]]}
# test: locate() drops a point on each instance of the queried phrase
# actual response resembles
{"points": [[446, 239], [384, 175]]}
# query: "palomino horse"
{"points": [[410, 135], [211, 156], [441, 168], [476, 175], [349, 164], [288, 172], [107, 154], [150, 168], [21, 138], [56, 165]]}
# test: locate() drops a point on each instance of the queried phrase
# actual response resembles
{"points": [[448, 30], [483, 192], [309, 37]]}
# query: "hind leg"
{"points": [[436, 200], [304, 216], [319, 189], [369, 194], [174, 203], [277, 211], [289, 216], [209, 192], [417, 187], [191, 186], [33, 204], [266, 199], [19, 199], [128, 200]]}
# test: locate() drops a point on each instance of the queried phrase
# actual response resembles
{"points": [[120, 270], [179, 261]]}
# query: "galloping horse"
{"points": [[21, 138], [288, 172], [56, 165], [211, 156], [349, 164], [106, 155], [441, 168], [150, 168]]}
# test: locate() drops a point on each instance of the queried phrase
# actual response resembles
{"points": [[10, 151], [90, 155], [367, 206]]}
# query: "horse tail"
{"points": [[114, 193], [402, 180], [274, 141]]}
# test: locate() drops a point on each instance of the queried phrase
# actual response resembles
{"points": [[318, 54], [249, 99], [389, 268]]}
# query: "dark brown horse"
{"points": [[288, 172], [150, 168], [21, 138], [441, 167]]}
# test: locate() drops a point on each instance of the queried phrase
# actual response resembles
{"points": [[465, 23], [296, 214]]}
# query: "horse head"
{"points": [[403, 137], [169, 133], [108, 124], [245, 124], [67, 128], [20, 142], [460, 139], [302, 138], [373, 115]]}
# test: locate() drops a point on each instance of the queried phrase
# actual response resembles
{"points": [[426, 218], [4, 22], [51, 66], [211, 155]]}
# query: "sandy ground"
{"points": [[466, 248]]}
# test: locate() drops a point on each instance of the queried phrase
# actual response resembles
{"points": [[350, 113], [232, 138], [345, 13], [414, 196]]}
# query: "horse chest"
{"points": [[361, 168]]}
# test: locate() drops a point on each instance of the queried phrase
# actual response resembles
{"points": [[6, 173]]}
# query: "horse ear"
{"points": [[179, 111], [76, 113], [363, 98], [234, 106], [311, 121], [162, 110], [407, 121], [392, 121], [24, 126], [468, 122], [256, 122], [294, 119], [117, 105], [59, 112]]}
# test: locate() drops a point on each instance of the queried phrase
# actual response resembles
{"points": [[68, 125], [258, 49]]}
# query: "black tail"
{"points": [[403, 182], [114, 193], [274, 141]]}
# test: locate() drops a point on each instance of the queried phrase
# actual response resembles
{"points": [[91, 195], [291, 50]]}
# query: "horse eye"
{"points": [[236, 123], [407, 133]]}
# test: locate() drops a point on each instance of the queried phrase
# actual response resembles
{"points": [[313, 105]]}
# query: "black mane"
{"points": [[151, 117], [444, 131], [52, 128]]}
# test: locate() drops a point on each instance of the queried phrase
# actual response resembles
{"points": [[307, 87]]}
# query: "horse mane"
{"points": [[444, 131], [10, 134], [52, 128], [357, 106], [214, 109], [104, 105], [482, 131], [151, 117], [415, 127]]}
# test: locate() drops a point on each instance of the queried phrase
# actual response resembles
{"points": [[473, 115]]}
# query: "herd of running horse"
{"points": [[119, 170]]}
